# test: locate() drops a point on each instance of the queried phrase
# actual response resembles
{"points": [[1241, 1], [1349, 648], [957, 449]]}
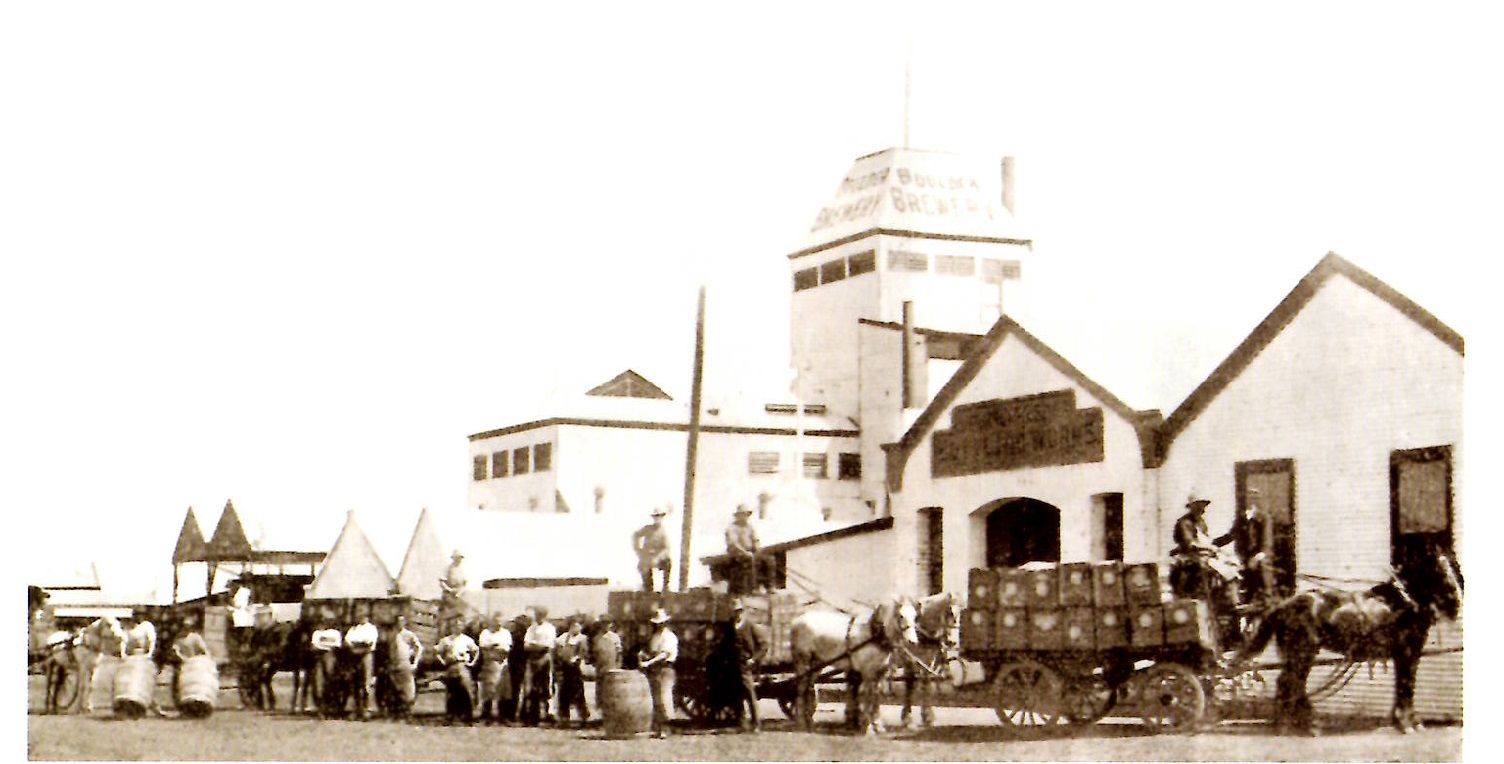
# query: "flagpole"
{"points": [[694, 444]]}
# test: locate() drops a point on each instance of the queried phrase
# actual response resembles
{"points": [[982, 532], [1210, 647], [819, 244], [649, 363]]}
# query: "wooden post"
{"points": [[694, 444]]}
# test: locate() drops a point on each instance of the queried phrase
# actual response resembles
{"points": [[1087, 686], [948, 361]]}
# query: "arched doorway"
{"points": [[1022, 530]]}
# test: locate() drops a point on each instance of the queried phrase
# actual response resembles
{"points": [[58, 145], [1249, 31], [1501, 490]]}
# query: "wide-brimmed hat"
{"points": [[742, 509], [659, 512], [659, 616], [1196, 500]]}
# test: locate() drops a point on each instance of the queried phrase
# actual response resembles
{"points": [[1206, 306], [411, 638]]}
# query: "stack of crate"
{"points": [[1076, 606], [695, 614], [783, 608]]}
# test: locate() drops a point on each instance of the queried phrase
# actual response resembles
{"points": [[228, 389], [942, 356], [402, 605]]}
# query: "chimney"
{"points": [[1008, 184]]}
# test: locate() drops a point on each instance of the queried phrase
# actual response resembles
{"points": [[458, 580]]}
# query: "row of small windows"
{"points": [[992, 271], [538, 457], [848, 465]]}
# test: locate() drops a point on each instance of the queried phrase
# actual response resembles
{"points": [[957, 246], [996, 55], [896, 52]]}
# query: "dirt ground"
{"points": [[961, 734]]}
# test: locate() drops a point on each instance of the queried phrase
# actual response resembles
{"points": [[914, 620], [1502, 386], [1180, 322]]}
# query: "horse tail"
{"points": [[1266, 630]]}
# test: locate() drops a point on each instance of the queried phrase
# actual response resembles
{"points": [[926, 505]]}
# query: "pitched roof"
{"points": [[352, 569], [191, 545], [425, 554], [1275, 323], [898, 453], [229, 541], [629, 384]]}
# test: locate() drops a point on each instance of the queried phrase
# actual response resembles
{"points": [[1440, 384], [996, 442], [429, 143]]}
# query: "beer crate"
{"points": [[1011, 630], [1188, 621], [1076, 584], [1079, 629], [1046, 629], [980, 586], [1146, 628], [1141, 584], [1111, 627], [1107, 584], [1044, 588], [1012, 588], [976, 629]]}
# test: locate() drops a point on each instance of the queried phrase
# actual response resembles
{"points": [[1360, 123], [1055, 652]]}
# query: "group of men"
{"points": [[749, 569]]}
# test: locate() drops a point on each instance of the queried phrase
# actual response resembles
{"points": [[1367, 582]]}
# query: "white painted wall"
{"points": [[853, 570]]}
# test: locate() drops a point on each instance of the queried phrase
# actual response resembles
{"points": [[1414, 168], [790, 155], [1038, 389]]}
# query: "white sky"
{"points": [[292, 254]]}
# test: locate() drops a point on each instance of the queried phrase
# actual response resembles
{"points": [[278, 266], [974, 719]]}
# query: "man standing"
{"points": [[458, 652], [751, 646], [650, 542], [657, 661], [451, 606], [360, 640], [605, 653], [538, 675], [1252, 537], [570, 655], [495, 647], [402, 666], [325, 642], [749, 569]]}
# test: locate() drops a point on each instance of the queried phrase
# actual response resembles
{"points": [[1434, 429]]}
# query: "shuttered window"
{"points": [[500, 462], [543, 457], [480, 468], [815, 465], [762, 462]]}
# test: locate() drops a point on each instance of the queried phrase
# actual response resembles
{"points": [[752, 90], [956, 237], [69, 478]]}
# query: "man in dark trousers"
{"points": [[1252, 537], [751, 646], [750, 569], [650, 542]]}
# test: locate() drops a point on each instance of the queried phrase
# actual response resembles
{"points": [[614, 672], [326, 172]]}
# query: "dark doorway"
{"points": [[1275, 481], [1023, 530]]}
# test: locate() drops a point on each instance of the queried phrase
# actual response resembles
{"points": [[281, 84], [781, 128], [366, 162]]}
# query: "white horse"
{"points": [[78, 654], [861, 645]]}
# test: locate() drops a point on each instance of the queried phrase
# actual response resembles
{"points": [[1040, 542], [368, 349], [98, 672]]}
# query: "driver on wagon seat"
{"points": [[1195, 558]]}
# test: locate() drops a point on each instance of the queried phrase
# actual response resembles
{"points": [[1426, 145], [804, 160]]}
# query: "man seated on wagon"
{"points": [[1196, 570], [750, 569]]}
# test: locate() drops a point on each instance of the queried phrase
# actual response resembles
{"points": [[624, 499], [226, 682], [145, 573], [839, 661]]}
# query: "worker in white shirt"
{"points": [[495, 646], [570, 653], [402, 665], [458, 652], [538, 673], [657, 661], [325, 641], [360, 640]]}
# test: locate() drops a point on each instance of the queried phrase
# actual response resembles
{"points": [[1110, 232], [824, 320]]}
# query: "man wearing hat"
{"points": [[1196, 571], [453, 585], [650, 542], [657, 661], [1252, 537], [751, 644], [749, 569]]}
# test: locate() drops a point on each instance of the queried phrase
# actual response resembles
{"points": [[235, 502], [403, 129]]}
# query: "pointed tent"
{"points": [[229, 541], [352, 569], [425, 555], [191, 545]]}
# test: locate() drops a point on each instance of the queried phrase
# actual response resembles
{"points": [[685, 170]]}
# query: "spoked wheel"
{"points": [[1171, 698], [1087, 699], [1027, 694], [67, 693]]}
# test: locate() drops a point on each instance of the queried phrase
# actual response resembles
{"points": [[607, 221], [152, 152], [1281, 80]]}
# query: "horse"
{"points": [[939, 617], [78, 653], [1389, 621], [861, 645], [267, 649]]}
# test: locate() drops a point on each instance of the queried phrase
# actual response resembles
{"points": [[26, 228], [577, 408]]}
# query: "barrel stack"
{"points": [[1078, 606]]}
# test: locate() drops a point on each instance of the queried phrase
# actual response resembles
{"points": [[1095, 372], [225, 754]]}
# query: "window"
{"points": [[480, 468], [861, 262], [1108, 509], [499, 462], [543, 457], [1420, 499], [835, 270], [997, 271], [520, 460], [931, 539], [806, 279], [849, 466], [955, 265], [762, 463], [815, 465], [899, 260]]}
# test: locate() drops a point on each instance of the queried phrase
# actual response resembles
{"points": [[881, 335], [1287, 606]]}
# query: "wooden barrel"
{"points": [[135, 683], [625, 703], [198, 686]]}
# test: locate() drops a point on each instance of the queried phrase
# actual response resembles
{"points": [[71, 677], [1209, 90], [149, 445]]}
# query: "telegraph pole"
{"points": [[694, 444]]}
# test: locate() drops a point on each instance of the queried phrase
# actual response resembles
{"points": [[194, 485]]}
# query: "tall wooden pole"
{"points": [[694, 444]]}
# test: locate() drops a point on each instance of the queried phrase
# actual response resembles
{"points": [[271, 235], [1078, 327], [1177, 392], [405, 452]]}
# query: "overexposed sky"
{"points": [[292, 254]]}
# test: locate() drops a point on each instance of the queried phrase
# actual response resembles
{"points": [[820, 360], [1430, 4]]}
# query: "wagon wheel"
{"points": [[1027, 694], [71, 685], [1087, 699], [1171, 697]]}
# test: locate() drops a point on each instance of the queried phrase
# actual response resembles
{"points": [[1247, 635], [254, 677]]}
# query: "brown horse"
{"points": [[861, 645], [1390, 621]]}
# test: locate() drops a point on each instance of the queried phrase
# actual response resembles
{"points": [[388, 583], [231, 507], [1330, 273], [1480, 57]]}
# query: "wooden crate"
{"points": [[1141, 584], [1044, 588], [981, 585], [1079, 629], [1111, 627], [976, 629], [1012, 588], [1146, 627], [1188, 621], [1046, 629], [1107, 584], [1010, 629], [1076, 585]]}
